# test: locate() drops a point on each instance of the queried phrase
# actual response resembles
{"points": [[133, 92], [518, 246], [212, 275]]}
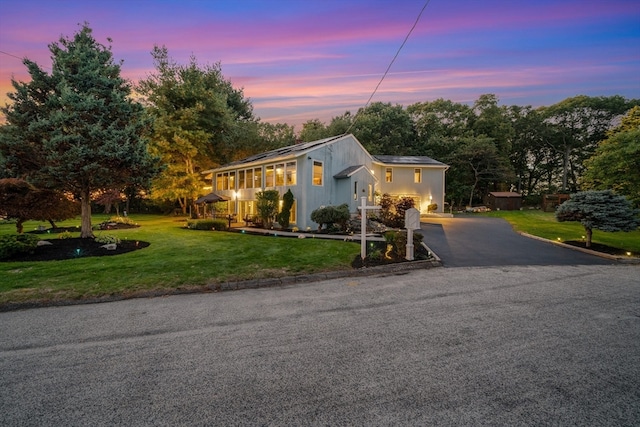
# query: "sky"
{"points": [[299, 60]]}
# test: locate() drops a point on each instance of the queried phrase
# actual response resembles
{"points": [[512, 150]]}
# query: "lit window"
{"points": [[388, 175], [317, 172], [257, 177], [355, 190], [219, 181], [232, 180], [280, 174], [240, 180], [249, 178], [225, 181], [417, 176], [370, 196], [268, 176], [291, 172]]}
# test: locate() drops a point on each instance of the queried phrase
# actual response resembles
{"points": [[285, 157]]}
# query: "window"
{"points": [[290, 171], [249, 173], [219, 181], [417, 176], [257, 177], [240, 180], [232, 180], [317, 173], [225, 181], [268, 176], [388, 175], [370, 197], [355, 190], [280, 174]]}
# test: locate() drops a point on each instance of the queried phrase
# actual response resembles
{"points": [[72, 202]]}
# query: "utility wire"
{"points": [[355, 119]]}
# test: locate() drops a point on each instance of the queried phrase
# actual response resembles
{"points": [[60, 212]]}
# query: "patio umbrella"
{"points": [[211, 198]]}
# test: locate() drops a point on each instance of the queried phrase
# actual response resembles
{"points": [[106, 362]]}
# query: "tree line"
{"points": [[83, 133]]}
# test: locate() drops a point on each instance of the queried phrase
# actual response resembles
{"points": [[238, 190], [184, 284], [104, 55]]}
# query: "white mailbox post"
{"points": [[363, 225], [411, 222]]}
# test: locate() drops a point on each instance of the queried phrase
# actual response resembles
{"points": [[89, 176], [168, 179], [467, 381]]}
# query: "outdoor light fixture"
{"points": [[628, 253]]}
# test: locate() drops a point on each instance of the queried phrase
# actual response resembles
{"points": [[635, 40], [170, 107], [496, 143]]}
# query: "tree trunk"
{"points": [[588, 233], [85, 205], [53, 224], [20, 225], [565, 169]]}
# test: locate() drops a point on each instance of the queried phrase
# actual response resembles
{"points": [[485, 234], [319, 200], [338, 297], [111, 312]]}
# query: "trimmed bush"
{"points": [[107, 239], [13, 244], [207, 224], [332, 215], [122, 220]]}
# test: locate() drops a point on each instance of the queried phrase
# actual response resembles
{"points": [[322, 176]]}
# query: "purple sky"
{"points": [[299, 60]]}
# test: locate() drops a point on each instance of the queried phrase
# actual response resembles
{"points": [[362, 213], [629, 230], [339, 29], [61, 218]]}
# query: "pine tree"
{"points": [[601, 210], [76, 129]]}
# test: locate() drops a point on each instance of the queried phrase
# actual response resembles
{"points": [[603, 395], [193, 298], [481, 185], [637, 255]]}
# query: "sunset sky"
{"points": [[299, 60]]}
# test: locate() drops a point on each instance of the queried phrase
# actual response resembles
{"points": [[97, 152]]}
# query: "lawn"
{"points": [[176, 258], [544, 224]]}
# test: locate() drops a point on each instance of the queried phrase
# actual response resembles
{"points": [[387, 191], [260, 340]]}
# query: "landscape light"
{"points": [[628, 253]]}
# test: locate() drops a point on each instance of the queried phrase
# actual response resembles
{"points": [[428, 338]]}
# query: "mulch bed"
{"points": [[76, 248], [597, 247]]}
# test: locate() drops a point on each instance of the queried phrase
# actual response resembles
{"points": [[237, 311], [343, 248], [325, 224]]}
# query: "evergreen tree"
{"points": [[600, 210], [76, 129]]}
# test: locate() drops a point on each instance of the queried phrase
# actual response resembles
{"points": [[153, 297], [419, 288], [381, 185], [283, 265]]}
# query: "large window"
{"points": [[219, 183], [232, 180], [317, 172], [257, 177], [417, 175], [240, 180], [280, 174], [291, 172], [388, 175], [268, 176]]}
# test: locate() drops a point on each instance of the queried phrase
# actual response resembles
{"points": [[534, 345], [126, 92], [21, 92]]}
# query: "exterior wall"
{"points": [[429, 190], [336, 156]]}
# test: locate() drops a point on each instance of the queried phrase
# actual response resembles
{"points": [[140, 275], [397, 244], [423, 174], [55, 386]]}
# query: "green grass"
{"points": [[177, 258], [544, 224]]}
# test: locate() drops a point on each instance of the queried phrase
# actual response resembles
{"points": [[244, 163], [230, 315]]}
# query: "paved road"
{"points": [[510, 345], [480, 241]]}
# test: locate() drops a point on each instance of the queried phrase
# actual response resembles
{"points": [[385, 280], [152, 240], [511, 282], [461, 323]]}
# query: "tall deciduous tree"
{"points": [[383, 128], [200, 121], [616, 162], [76, 129], [600, 210]]}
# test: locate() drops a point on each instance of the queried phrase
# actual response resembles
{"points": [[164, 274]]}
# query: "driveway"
{"points": [[480, 241]]}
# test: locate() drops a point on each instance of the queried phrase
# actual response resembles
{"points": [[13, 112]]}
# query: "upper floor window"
{"points": [[417, 175], [280, 174], [240, 180], [257, 177], [291, 172], [317, 172], [388, 175], [268, 176]]}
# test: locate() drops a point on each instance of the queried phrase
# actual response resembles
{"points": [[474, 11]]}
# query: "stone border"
{"points": [[622, 259]]}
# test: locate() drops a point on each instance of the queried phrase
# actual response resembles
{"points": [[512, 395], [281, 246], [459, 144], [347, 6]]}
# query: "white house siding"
{"points": [[337, 155]]}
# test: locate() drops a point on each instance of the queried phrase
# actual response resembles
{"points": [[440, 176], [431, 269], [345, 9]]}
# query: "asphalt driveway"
{"points": [[483, 242]]}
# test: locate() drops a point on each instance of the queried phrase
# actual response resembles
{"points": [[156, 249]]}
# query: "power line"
{"points": [[355, 119], [9, 54]]}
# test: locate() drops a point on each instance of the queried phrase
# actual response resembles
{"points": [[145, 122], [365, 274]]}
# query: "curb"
{"points": [[618, 258], [270, 282]]}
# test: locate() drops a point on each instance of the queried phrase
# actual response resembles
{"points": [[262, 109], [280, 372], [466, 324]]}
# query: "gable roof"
{"points": [[407, 160], [279, 153]]}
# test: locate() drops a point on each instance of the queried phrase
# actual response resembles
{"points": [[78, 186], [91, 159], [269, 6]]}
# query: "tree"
{"points": [[199, 122], [285, 213], [267, 206], [577, 125], [383, 128], [77, 130], [22, 201], [616, 162], [600, 210], [313, 130]]}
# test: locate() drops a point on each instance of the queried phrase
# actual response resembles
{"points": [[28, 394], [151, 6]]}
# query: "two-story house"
{"points": [[330, 171]]}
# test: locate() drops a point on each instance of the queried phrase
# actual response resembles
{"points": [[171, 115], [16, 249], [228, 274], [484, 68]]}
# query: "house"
{"points": [[330, 171], [504, 200]]}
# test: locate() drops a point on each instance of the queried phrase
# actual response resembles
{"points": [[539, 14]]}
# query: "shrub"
{"points": [[331, 215], [207, 224], [106, 239], [432, 207], [65, 235], [392, 211], [398, 241], [267, 205], [122, 220], [13, 244], [285, 215]]}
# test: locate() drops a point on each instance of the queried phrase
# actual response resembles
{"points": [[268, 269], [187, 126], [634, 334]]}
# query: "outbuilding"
{"points": [[504, 201]]}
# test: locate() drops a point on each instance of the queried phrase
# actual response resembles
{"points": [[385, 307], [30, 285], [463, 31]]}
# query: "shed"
{"points": [[504, 201]]}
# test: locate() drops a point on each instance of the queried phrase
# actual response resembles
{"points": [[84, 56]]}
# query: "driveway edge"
{"points": [[626, 260]]}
